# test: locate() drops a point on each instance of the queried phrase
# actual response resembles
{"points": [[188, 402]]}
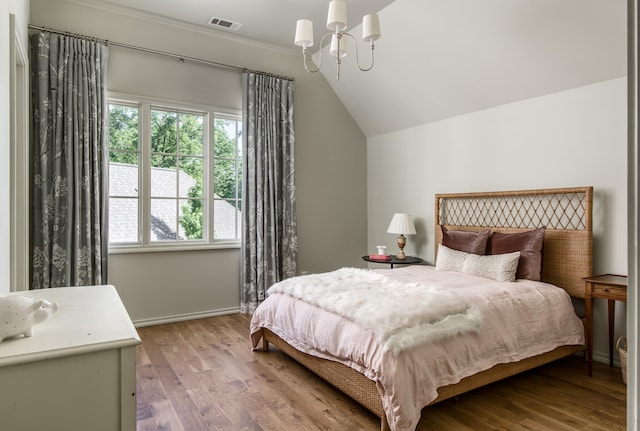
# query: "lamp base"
{"points": [[401, 242]]}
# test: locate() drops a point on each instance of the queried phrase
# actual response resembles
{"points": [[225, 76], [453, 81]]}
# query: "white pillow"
{"points": [[499, 267], [450, 259]]}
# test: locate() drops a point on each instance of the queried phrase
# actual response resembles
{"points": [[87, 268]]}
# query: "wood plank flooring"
{"points": [[201, 375]]}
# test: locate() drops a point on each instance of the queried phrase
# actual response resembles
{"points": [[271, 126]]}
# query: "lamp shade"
{"points": [[371, 28], [401, 223], [337, 16], [304, 33], [338, 46]]}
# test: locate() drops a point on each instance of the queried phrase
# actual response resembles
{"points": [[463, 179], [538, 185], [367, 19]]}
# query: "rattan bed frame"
{"points": [[567, 215]]}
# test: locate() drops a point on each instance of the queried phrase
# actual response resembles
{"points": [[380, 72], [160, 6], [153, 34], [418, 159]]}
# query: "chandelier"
{"points": [[337, 24]]}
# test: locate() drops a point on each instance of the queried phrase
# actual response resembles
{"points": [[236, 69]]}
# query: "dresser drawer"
{"points": [[608, 291]]}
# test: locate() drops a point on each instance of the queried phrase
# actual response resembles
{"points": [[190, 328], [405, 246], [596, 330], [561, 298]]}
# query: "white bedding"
{"points": [[411, 313], [520, 319]]}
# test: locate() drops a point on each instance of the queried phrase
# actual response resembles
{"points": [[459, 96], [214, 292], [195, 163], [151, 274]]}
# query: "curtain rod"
{"points": [[181, 58]]}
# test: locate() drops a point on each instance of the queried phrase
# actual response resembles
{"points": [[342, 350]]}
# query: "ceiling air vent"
{"points": [[224, 23]]}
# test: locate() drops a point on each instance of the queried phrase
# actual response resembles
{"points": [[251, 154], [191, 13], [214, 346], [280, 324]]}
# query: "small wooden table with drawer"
{"points": [[612, 288]]}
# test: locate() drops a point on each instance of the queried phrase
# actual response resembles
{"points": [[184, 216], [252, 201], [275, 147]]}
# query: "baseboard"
{"points": [[604, 358], [182, 317]]}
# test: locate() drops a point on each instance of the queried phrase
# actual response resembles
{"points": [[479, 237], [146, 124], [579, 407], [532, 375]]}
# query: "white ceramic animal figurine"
{"points": [[18, 314]]}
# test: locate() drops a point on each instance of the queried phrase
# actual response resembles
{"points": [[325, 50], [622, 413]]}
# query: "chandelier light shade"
{"points": [[304, 33], [401, 223], [337, 16], [338, 46], [337, 26], [371, 28]]}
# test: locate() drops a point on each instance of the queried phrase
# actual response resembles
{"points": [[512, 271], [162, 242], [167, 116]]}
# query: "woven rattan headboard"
{"points": [[566, 213]]}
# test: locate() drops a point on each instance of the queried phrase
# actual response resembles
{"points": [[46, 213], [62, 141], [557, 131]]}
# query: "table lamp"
{"points": [[402, 224]]}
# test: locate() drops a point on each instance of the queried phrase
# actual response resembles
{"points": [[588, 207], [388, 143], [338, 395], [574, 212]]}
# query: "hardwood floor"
{"points": [[202, 375]]}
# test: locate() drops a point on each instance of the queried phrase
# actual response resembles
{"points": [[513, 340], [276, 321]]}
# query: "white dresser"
{"points": [[78, 370]]}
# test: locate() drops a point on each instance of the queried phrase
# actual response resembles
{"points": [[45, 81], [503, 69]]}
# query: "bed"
{"points": [[391, 385]]}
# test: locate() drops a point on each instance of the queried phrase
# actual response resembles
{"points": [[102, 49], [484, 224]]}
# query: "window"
{"points": [[124, 156], [177, 162], [227, 170], [174, 175]]}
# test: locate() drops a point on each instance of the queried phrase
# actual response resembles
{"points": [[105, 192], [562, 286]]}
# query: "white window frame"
{"points": [[145, 105], [19, 159]]}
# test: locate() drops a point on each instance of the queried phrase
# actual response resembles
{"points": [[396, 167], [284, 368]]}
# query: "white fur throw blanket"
{"points": [[402, 315]]}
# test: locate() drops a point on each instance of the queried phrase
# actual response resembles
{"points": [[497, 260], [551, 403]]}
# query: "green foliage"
{"points": [[191, 219], [123, 134]]}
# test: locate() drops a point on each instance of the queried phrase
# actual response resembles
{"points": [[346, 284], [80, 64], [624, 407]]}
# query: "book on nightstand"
{"points": [[380, 256]]}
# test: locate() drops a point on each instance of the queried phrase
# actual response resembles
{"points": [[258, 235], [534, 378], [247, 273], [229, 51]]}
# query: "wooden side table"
{"points": [[612, 288], [409, 260]]}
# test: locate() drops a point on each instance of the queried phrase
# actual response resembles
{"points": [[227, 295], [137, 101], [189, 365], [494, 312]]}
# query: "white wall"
{"points": [[19, 8], [330, 155], [572, 138], [439, 59]]}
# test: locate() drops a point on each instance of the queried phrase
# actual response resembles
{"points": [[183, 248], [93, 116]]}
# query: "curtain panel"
{"points": [[269, 238], [70, 172]]}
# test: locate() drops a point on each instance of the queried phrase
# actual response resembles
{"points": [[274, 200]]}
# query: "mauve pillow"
{"points": [[529, 244], [469, 242]]}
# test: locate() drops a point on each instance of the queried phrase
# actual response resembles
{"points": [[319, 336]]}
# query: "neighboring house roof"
{"points": [[123, 212]]}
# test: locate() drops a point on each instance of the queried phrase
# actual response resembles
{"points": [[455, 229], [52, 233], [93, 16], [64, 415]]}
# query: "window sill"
{"points": [[164, 248]]}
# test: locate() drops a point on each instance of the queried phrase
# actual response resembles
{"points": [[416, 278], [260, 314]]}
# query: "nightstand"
{"points": [[612, 288], [409, 260]]}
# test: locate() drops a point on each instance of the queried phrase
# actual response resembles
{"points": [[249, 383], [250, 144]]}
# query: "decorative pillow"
{"points": [[470, 242], [499, 267], [449, 259], [528, 243]]}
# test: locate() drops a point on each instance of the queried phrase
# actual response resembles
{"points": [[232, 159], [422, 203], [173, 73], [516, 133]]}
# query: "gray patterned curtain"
{"points": [[68, 138], [269, 238]]}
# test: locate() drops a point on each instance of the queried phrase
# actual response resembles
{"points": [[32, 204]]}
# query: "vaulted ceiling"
{"points": [[437, 58]]}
